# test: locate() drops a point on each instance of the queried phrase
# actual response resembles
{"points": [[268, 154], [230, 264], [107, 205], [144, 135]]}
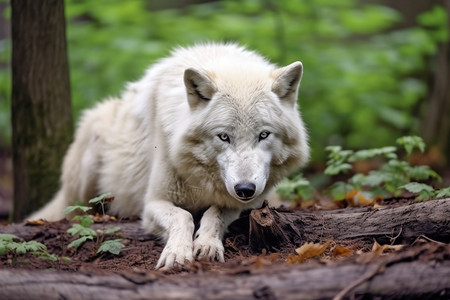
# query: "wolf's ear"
{"points": [[287, 82], [199, 87]]}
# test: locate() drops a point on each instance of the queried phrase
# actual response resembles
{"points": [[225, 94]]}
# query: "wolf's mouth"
{"points": [[245, 191]]}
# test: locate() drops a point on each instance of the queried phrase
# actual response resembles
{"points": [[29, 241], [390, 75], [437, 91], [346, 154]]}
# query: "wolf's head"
{"points": [[245, 132]]}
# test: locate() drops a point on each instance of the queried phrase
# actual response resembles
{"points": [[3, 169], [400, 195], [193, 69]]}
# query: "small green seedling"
{"points": [[107, 197], [8, 245], [392, 178], [111, 246], [86, 233], [297, 187]]}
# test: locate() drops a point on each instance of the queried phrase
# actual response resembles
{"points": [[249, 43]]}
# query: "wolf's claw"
{"points": [[210, 248], [175, 254]]}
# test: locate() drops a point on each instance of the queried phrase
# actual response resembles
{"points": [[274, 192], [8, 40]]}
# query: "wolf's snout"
{"points": [[245, 191]]}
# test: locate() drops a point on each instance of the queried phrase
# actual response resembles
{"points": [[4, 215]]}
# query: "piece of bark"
{"points": [[270, 230]]}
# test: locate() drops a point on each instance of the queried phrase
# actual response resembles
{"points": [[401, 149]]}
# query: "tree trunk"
{"points": [[436, 122], [42, 123]]}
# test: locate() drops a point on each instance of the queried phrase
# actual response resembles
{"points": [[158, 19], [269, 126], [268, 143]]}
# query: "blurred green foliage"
{"points": [[362, 79]]}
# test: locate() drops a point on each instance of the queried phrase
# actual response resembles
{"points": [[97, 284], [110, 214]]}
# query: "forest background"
{"points": [[373, 70]]}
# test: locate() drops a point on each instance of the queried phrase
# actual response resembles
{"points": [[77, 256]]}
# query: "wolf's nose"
{"points": [[245, 191]]}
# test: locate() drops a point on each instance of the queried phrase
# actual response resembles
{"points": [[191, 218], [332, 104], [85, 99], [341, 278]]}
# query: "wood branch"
{"points": [[402, 280], [403, 223]]}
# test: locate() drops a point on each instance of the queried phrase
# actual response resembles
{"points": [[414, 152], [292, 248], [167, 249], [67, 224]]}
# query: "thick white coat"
{"points": [[210, 129]]}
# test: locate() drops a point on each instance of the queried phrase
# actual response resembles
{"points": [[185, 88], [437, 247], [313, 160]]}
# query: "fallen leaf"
{"points": [[361, 198], [35, 222], [306, 251], [98, 218], [377, 248], [341, 251], [377, 206]]}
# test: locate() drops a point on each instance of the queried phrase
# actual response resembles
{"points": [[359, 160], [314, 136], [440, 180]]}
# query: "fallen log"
{"points": [[402, 224], [417, 280]]}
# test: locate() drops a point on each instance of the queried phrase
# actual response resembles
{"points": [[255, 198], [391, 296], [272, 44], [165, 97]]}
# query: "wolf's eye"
{"points": [[263, 135], [224, 137]]}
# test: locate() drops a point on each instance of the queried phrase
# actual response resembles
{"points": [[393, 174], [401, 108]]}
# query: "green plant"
{"points": [[113, 42], [85, 233], [393, 176], [39, 250], [297, 187]]}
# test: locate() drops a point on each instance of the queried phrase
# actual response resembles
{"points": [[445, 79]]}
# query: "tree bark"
{"points": [[436, 121], [42, 123], [402, 280], [402, 224]]}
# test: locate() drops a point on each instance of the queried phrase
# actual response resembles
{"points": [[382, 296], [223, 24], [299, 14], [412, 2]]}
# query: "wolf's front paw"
{"points": [[175, 254], [208, 247]]}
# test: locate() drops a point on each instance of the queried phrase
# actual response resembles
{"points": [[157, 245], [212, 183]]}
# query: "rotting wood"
{"points": [[402, 224], [406, 279]]}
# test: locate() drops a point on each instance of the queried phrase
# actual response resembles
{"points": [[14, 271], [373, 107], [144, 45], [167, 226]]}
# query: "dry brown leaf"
{"points": [[377, 248], [309, 250], [35, 222], [341, 251], [377, 206], [361, 198], [293, 259]]}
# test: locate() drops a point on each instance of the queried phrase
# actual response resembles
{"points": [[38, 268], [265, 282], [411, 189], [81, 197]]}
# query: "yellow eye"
{"points": [[263, 135], [224, 137]]}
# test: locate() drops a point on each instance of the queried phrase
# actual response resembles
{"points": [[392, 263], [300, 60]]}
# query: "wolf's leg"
{"points": [[176, 226], [208, 239]]}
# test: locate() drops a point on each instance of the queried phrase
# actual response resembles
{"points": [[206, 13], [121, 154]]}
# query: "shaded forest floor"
{"points": [[142, 250], [135, 263]]}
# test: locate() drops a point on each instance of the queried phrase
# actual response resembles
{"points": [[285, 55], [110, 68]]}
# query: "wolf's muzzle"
{"points": [[245, 190]]}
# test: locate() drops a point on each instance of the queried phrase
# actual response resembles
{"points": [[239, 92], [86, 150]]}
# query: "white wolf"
{"points": [[211, 129]]}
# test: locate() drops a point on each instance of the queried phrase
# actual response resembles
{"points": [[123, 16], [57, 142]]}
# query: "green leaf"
{"points": [[415, 187], [35, 246], [45, 255], [81, 230], [100, 198], [78, 242], [111, 230], [411, 142], [389, 152], [86, 220], [338, 190], [112, 246], [7, 237], [445, 192], [3, 247], [423, 173], [73, 208], [376, 178], [20, 248], [337, 168]]}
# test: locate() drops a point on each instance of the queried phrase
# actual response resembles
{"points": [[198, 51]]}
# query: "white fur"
{"points": [[158, 148]]}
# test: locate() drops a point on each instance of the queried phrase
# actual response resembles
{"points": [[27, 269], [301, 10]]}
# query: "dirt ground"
{"points": [[142, 251]]}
